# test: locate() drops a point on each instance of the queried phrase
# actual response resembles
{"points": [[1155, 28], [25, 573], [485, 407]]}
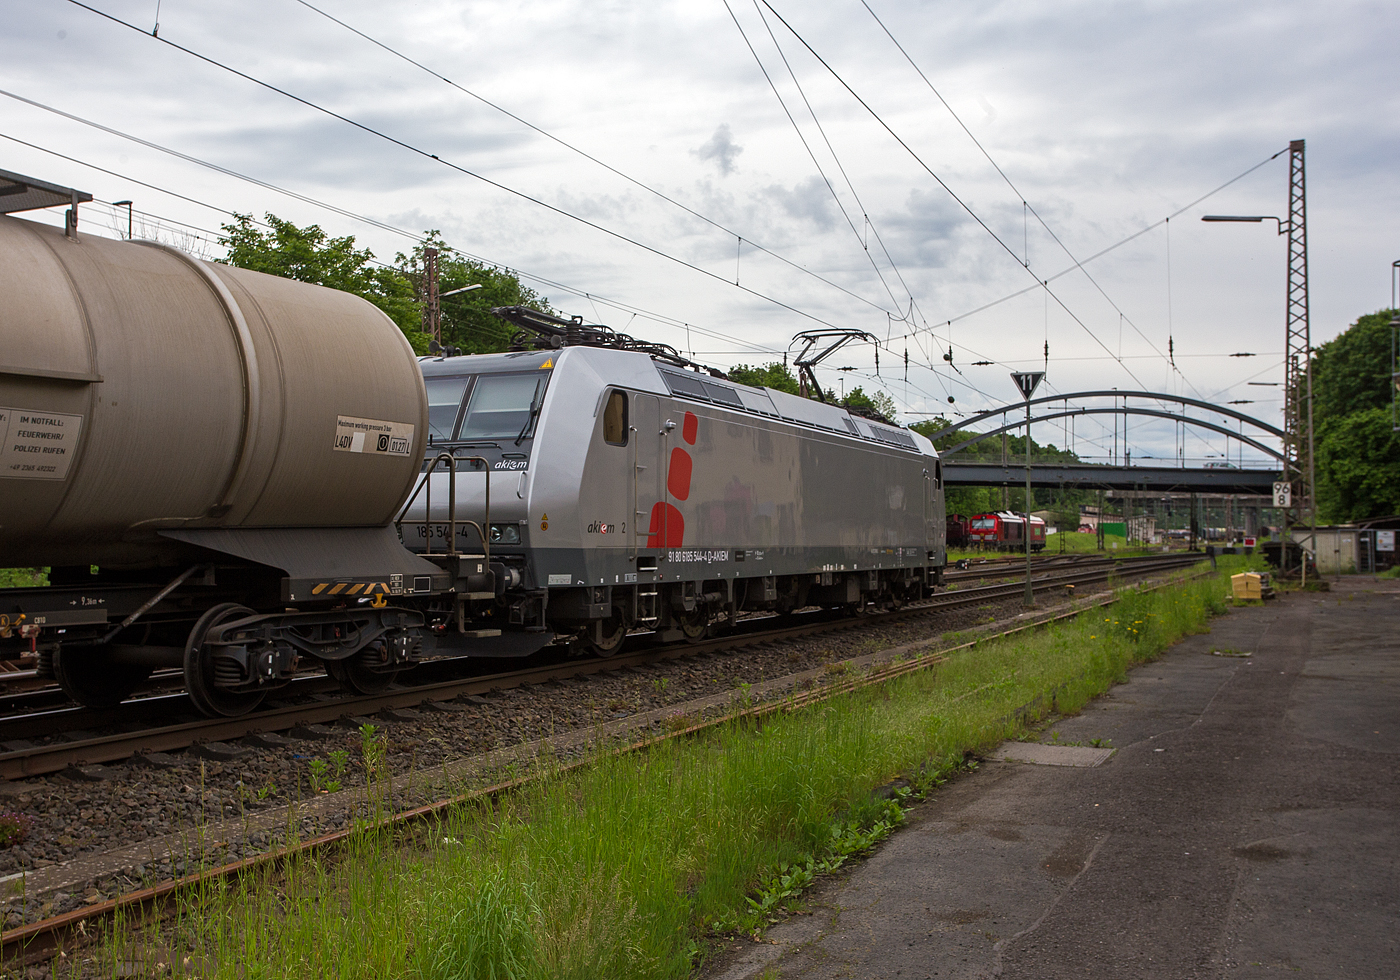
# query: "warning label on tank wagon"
{"points": [[37, 445], [371, 436]]}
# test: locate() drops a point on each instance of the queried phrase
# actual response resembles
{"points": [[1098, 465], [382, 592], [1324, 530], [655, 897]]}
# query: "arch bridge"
{"points": [[979, 471]]}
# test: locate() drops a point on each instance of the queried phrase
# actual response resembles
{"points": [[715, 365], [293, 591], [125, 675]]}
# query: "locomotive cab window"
{"points": [[615, 419], [444, 399], [503, 406]]}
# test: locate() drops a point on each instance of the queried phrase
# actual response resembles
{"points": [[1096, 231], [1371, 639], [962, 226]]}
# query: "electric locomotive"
{"points": [[1005, 531], [630, 488]]}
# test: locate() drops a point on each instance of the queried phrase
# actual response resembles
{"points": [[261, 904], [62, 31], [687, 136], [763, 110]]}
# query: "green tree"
{"points": [[467, 320], [771, 375], [879, 403], [1358, 455], [310, 255], [1358, 466], [1351, 372]]}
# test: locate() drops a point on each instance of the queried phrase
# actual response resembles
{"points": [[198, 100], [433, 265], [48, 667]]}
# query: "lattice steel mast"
{"points": [[1297, 357]]}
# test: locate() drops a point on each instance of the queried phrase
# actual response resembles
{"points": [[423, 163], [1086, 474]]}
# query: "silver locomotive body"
{"points": [[628, 492]]}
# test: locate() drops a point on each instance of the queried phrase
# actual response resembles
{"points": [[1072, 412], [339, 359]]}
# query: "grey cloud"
{"points": [[721, 150], [809, 200]]}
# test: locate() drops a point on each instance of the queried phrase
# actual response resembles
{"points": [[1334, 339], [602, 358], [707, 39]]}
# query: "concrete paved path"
{"points": [[1248, 825]]}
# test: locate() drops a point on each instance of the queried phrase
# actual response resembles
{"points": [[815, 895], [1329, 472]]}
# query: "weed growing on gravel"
{"points": [[620, 868], [14, 828]]}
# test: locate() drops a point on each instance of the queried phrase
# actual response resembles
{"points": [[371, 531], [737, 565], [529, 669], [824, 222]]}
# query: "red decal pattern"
{"points": [[678, 474], [667, 528]]}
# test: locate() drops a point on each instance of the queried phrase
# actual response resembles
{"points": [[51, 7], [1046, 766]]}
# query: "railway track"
{"points": [[24, 691], [40, 760], [40, 940]]}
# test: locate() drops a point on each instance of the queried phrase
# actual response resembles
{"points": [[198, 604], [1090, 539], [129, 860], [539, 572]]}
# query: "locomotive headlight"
{"points": [[505, 533]]}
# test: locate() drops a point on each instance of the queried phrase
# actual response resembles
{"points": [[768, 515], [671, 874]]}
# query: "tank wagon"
{"points": [[630, 488], [210, 459], [1006, 531]]}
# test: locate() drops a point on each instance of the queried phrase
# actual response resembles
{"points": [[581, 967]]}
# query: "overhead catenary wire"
{"points": [[941, 183], [868, 222], [659, 318], [425, 154], [662, 195], [806, 146], [1026, 207], [1116, 245]]}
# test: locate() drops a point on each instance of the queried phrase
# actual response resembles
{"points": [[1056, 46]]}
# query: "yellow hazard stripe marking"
{"points": [[320, 588], [338, 587]]}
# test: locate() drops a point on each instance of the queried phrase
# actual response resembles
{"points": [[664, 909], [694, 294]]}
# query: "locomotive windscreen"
{"points": [[444, 399], [501, 405], [498, 406]]}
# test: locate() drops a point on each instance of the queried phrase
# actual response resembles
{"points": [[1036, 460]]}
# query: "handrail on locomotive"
{"points": [[482, 529]]}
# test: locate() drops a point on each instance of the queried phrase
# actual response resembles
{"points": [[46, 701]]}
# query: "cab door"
{"points": [[648, 476], [935, 526]]}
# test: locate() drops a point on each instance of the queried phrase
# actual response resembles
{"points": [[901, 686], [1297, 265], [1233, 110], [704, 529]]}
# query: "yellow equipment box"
{"points": [[1251, 585]]}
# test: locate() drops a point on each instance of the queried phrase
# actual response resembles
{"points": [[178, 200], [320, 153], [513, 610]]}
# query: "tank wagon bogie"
{"points": [[645, 496]]}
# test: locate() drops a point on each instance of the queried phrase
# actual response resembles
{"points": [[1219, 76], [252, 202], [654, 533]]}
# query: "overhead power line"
{"points": [[1016, 190], [419, 151], [659, 318], [1116, 245], [588, 156], [1044, 283], [805, 145]]}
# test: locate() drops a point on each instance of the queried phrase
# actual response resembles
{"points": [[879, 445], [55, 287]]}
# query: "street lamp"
{"points": [[1026, 383], [127, 205], [1253, 218], [435, 313]]}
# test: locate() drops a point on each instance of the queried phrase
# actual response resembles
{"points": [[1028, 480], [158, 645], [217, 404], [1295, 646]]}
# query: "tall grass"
{"points": [[619, 868]]}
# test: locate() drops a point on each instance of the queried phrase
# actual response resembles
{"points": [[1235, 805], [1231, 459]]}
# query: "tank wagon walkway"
{"points": [[1248, 825]]}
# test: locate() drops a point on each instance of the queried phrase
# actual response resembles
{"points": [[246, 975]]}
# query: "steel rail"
{"points": [[40, 940]]}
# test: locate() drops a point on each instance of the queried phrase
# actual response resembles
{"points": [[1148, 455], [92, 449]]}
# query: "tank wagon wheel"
{"points": [[200, 669], [356, 674], [603, 639], [92, 680]]}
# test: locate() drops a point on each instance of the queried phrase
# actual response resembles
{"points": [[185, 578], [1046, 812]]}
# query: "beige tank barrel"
{"points": [[142, 389]]}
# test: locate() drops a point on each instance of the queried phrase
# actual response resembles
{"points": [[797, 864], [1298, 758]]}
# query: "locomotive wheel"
{"points": [[199, 668], [607, 639], [355, 677], [695, 625], [94, 682]]}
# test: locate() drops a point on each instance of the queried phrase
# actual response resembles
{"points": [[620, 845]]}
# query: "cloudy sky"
{"points": [[854, 195]]}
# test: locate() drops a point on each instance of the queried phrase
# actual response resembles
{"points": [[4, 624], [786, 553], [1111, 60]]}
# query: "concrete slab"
{"points": [[1247, 826], [1083, 756]]}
